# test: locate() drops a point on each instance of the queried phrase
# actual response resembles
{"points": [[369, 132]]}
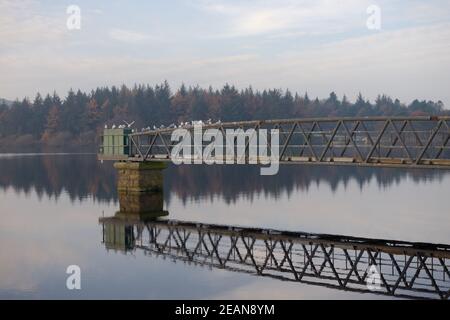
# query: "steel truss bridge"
{"points": [[407, 270], [373, 141]]}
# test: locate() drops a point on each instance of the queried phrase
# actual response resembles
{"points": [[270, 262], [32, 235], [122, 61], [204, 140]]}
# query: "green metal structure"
{"points": [[118, 237], [115, 144]]}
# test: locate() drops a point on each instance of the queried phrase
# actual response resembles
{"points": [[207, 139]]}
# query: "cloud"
{"points": [[407, 63], [275, 18], [48, 71], [314, 45], [21, 25], [256, 18], [128, 36], [97, 11]]}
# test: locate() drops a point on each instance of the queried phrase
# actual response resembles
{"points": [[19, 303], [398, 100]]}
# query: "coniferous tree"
{"points": [[81, 116]]}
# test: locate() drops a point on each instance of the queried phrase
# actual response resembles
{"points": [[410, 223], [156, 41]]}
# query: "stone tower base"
{"points": [[140, 186]]}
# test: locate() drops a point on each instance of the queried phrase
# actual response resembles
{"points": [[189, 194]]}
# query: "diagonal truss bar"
{"points": [[430, 140], [307, 140], [288, 139], [396, 138], [405, 148], [347, 141], [353, 141], [377, 141], [444, 143], [335, 130]]}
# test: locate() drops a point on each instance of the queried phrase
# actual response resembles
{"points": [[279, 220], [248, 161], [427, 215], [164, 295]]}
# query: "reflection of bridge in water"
{"points": [[405, 269]]}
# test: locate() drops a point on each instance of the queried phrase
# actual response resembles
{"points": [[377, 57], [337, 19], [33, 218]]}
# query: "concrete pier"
{"points": [[140, 176], [140, 187]]}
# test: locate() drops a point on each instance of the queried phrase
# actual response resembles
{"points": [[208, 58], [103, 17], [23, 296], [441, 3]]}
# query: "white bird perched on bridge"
{"points": [[106, 126], [209, 121], [154, 127], [113, 126], [199, 122]]}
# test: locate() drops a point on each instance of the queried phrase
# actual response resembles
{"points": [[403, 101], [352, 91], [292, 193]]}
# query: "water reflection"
{"points": [[395, 268], [376, 203], [82, 176]]}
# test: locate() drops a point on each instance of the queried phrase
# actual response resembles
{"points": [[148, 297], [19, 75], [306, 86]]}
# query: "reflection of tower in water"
{"points": [[141, 199]]}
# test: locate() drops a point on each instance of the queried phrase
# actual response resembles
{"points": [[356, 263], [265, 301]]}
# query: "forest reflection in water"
{"points": [[81, 176]]}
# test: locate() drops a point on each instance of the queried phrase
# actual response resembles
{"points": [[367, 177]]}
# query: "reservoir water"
{"points": [[50, 206]]}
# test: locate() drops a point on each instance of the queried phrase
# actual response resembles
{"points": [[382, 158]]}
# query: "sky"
{"points": [[316, 46]]}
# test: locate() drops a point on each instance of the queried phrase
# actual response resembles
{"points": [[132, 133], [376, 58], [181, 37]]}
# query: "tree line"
{"points": [[79, 118]]}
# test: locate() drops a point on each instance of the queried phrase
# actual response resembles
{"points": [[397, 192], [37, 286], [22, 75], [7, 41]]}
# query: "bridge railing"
{"points": [[390, 141]]}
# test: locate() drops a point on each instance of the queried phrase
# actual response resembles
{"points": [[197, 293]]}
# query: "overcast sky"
{"points": [[317, 46]]}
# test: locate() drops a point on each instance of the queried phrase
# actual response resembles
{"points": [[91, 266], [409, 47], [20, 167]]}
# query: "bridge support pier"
{"points": [[140, 187]]}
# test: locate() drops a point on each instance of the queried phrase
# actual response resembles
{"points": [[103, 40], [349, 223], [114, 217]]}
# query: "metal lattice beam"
{"points": [[405, 269], [420, 142]]}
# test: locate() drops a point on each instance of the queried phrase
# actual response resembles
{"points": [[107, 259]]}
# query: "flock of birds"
{"points": [[171, 126]]}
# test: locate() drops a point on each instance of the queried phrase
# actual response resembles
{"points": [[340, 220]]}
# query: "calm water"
{"points": [[50, 207]]}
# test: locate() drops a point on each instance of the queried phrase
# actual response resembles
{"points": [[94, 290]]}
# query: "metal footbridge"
{"points": [[419, 142]]}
